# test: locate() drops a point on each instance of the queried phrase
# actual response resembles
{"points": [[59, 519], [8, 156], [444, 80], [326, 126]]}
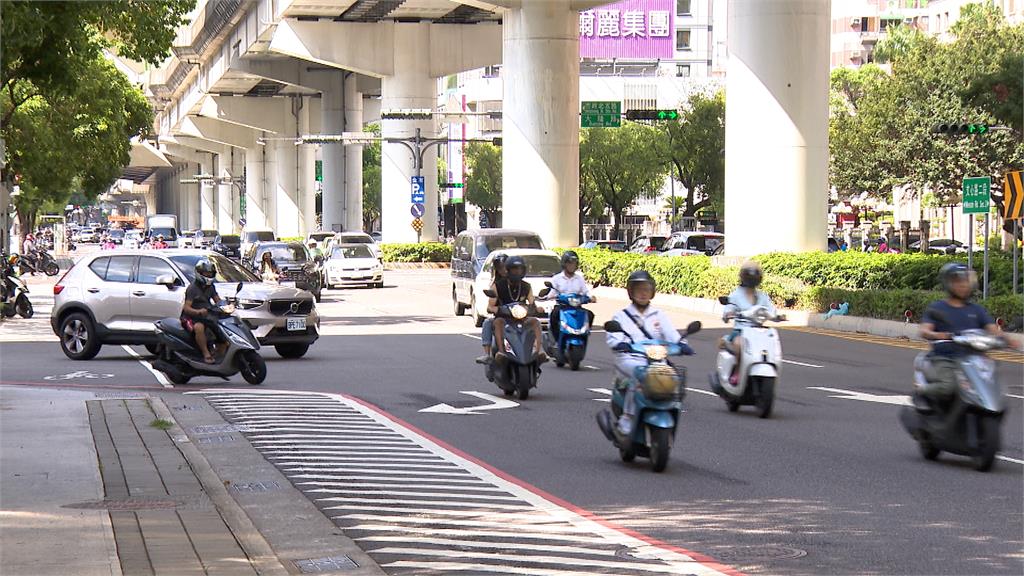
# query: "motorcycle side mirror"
{"points": [[544, 292], [693, 327], [490, 293], [723, 300], [548, 284], [790, 302], [613, 326], [166, 280]]}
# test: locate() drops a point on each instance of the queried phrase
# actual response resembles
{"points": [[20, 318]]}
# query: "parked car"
{"points": [[943, 246], [645, 244], [376, 237], [252, 235], [117, 236], [187, 238], [541, 265], [228, 245], [88, 236], [297, 266], [320, 237], [204, 239], [353, 265], [115, 297], [132, 239], [472, 248], [692, 243], [170, 235], [613, 245], [355, 238]]}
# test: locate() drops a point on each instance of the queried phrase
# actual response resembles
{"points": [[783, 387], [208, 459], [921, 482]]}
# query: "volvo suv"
{"points": [[114, 297]]}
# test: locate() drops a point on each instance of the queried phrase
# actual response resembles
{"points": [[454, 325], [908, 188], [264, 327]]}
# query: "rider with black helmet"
{"points": [[744, 297], [199, 297], [513, 288], [487, 333], [639, 321], [565, 282], [943, 319]]}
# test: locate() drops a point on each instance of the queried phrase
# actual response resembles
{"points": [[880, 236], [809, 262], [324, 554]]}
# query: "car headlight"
{"points": [[656, 352], [249, 304], [519, 312]]}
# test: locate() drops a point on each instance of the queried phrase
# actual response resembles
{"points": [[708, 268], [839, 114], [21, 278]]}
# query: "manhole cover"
{"points": [[739, 554], [125, 504], [329, 564]]}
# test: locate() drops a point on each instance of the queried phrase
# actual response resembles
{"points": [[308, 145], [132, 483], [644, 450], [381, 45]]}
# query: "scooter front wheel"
{"points": [[575, 355], [24, 307], [661, 445], [988, 440], [252, 366], [928, 450], [52, 269]]}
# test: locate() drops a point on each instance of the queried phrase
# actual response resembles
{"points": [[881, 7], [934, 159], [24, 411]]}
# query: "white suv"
{"points": [[114, 297]]}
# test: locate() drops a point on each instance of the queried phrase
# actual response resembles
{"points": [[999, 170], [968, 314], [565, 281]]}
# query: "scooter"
{"points": [[660, 388], [969, 423], [15, 295], [43, 261], [519, 373], [179, 357], [759, 367], [573, 329]]}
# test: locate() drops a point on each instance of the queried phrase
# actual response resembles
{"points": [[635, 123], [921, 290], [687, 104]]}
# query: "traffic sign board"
{"points": [[601, 114], [652, 114], [1013, 195], [976, 192], [417, 224], [418, 189], [417, 210]]}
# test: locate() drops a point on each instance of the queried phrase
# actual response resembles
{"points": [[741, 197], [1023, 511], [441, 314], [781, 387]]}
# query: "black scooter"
{"points": [[180, 359], [519, 373]]}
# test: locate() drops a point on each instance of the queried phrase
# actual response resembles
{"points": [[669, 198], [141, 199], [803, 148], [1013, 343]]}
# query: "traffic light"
{"points": [[954, 129], [407, 114], [652, 114]]}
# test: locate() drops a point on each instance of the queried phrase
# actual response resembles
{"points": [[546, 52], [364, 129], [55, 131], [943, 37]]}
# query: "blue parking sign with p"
{"points": [[418, 190]]}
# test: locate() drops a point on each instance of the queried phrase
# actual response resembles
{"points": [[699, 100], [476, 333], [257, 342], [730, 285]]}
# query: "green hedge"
{"points": [[423, 252], [871, 271], [892, 304]]}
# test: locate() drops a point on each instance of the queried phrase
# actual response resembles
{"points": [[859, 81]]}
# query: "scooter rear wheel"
{"points": [[928, 450], [51, 269], [24, 307]]}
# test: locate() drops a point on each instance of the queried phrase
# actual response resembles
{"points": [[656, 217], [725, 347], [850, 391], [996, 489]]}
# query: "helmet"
{"points": [[500, 260], [639, 277], [750, 275], [206, 271], [516, 268], [570, 256], [956, 271], [160, 237]]}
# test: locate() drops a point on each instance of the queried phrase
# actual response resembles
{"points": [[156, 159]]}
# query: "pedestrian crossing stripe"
{"points": [[1013, 195], [446, 513]]}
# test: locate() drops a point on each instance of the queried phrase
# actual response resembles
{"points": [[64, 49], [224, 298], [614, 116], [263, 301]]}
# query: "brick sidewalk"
{"points": [[164, 522]]}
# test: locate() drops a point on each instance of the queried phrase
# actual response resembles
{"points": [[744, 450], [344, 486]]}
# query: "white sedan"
{"points": [[353, 265], [541, 265]]}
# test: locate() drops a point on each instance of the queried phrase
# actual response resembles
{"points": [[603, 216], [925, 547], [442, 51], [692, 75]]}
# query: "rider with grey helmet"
{"points": [[744, 297], [946, 318], [514, 288], [199, 297]]}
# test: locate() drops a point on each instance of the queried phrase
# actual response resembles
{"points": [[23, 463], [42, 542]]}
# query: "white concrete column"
{"points": [[776, 134], [287, 180], [223, 172], [307, 170], [411, 86], [332, 104], [208, 192], [353, 220], [540, 153], [255, 187]]}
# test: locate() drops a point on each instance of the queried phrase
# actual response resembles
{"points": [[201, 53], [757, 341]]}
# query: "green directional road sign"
{"points": [[601, 115], [652, 114], [977, 192]]}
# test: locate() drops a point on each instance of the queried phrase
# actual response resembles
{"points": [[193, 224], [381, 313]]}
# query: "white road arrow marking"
{"points": [[897, 399], [495, 404], [602, 391]]}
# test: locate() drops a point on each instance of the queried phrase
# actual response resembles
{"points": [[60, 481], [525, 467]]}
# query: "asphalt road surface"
{"points": [[830, 484]]}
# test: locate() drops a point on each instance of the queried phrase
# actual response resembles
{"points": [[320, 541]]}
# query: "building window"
{"points": [[683, 70], [683, 8], [682, 40]]}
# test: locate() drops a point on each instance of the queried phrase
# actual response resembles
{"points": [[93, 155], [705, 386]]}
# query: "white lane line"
{"points": [[504, 517], [473, 336], [1015, 396], [1008, 459], [556, 560], [401, 524], [604, 391], [481, 488], [450, 567], [699, 391], [159, 375], [314, 467], [512, 533], [429, 502], [492, 545], [378, 479], [488, 497], [802, 364]]}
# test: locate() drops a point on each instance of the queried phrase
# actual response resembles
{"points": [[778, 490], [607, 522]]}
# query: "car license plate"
{"points": [[296, 324], [288, 283]]}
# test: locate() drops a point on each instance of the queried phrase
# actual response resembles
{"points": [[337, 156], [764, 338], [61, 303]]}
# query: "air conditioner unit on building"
{"points": [[855, 23], [855, 55]]}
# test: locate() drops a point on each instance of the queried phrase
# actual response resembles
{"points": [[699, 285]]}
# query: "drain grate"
{"points": [[329, 564], [216, 439], [253, 487], [756, 553], [125, 504], [221, 428]]}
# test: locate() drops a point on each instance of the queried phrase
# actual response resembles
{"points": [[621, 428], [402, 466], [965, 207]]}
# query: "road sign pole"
{"points": [[984, 280], [1016, 263], [970, 242]]}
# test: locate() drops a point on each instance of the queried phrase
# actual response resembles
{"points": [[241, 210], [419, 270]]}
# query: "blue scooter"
{"points": [[660, 388], [573, 329]]}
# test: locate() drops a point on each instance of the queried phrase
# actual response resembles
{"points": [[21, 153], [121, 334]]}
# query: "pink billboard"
{"points": [[629, 29]]}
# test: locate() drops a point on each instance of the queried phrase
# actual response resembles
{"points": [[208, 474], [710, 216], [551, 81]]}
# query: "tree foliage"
{"points": [[693, 146], [881, 122], [371, 181], [483, 183], [619, 165]]}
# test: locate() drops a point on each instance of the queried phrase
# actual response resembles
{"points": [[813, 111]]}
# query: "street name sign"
{"points": [[600, 114], [976, 192]]}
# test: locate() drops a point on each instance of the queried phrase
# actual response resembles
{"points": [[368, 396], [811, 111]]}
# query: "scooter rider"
{"points": [[742, 298], [199, 297], [943, 319], [514, 289], [640, 321], [487, 331], [568, 281]]}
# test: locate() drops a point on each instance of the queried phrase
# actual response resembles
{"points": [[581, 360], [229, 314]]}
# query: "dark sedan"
{"points": [[229, 245], [295, 264]]}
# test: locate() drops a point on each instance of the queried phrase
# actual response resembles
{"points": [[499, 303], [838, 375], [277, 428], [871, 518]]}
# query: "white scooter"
{"points": [[759, 368]]}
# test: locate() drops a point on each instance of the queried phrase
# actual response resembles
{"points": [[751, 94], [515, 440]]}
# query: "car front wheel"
{"points": [[78, 337], [292, 350]]}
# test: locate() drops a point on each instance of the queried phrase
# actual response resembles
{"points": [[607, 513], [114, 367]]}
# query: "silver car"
{"points": [[114, 297]]}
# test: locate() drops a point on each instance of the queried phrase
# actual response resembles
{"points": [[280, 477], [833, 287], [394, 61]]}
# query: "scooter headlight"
{"points": [[238, 340], [656, 352], [519, 312], [574, 331], [574, 302]]}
